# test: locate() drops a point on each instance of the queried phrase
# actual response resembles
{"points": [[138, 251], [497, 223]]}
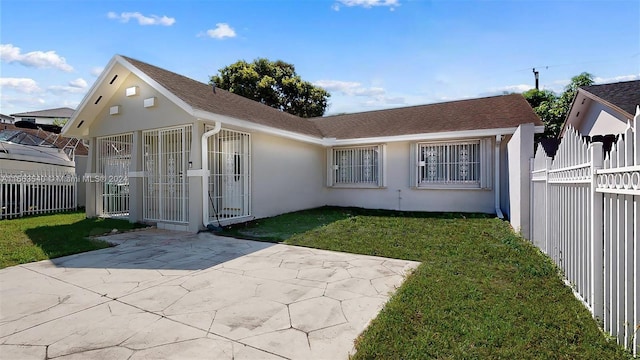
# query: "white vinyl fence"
{"points": [[585, 215], [36, 192]]}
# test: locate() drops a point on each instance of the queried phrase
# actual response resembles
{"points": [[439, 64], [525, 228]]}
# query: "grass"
{"points": [[481, 292], [50, 236]]}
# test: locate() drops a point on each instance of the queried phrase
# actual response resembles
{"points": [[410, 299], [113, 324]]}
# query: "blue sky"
{"points": [[369, 54]]}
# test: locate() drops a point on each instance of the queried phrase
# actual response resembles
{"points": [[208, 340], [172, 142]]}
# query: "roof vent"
{"points": [[114, 79]]}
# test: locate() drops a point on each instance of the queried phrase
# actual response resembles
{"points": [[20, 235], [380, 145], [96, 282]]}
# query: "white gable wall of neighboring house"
{"points": [[600, 120]]}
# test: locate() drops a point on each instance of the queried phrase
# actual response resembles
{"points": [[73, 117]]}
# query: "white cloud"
{"points": [[511, 89], [37, 59], [79, 83], [96, 71], [20, 103], [77, 86], [349, 88], [391, 4], [620, 78], [23, 85], [142, 19], [222, 30], [373, 96]]}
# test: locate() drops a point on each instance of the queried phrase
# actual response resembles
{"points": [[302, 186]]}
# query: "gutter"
{"points": [[497, 183], [205, 171]]}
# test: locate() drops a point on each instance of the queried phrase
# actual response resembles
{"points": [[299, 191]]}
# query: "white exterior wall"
{"points": [[133, 116], [81, 167], [286, 175], [600, 120], [400, 195], [519, 155]]}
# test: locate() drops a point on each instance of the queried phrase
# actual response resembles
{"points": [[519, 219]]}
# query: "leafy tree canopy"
{"points": [[273, 83], [553, 109]]}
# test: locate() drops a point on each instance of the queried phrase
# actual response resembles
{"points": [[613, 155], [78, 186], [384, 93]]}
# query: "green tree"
{"points": [[553, 109], [273, 83], [60, 121]]}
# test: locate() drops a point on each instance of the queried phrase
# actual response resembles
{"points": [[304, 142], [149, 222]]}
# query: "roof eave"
{"points": [[205, 115], [428, 136]]}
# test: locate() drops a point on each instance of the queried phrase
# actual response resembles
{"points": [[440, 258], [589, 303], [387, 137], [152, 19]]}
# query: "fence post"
{"points": [[597, 246], [547, 207], [23, 192]]}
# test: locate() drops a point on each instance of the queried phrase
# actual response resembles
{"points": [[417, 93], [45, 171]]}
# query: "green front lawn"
{"points": [[481, 292], [43, 237]]}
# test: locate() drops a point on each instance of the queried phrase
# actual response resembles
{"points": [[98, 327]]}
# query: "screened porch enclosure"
{"points": [[165, 185], [229, 164]]}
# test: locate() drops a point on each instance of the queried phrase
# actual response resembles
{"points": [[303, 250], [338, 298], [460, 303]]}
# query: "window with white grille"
{"points": [[362, 166], [455, 164]]}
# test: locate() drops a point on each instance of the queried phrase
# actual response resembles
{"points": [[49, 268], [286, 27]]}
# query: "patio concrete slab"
{"points": [[171, 295]]}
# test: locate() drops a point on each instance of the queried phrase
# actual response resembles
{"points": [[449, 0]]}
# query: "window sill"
{"points": [[356, 186], [450, 187]]}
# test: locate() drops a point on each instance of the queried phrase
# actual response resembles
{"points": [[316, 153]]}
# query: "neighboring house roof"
{"points": [[603, 109], [198, 99], [505, 111], [624, 95], [63, 112], [60, 142], [6, 118]]}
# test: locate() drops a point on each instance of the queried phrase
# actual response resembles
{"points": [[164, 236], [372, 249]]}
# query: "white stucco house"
{"points": [[169, 150]]}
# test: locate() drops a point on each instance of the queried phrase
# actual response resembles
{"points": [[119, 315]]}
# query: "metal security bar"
{"points": [[229, 179], [357, 165], [113, 155], [166, 158], [449, 163]]}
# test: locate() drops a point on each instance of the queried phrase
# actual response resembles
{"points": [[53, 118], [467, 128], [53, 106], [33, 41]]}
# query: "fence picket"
{"points": [[36, 192], [590, 208]]}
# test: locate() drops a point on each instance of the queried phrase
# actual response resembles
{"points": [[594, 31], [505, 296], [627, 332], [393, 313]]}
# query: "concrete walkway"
{"points": [[169, 295]]}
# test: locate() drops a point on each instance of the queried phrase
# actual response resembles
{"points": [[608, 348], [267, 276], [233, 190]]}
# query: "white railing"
{"points": [[36, 192], [585, 216]]}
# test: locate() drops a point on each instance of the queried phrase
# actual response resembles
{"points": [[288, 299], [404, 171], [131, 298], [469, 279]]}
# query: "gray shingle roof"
{"points": [[505, 111], [200, 96], [625, 95], [63, 112]]}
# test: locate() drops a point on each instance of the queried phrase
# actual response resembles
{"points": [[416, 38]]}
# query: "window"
{"points": [[463, 164], [361, 166]]}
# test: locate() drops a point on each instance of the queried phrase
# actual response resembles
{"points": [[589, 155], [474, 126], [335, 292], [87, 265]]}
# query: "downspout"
{"points": [[205, 172], [497, 182]]}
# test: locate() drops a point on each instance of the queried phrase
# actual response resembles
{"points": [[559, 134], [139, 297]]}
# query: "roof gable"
{"points": [[201, 96], [624, 95]]}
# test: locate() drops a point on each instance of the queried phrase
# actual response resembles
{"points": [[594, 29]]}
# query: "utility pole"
{"points": [[537, 75]]}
